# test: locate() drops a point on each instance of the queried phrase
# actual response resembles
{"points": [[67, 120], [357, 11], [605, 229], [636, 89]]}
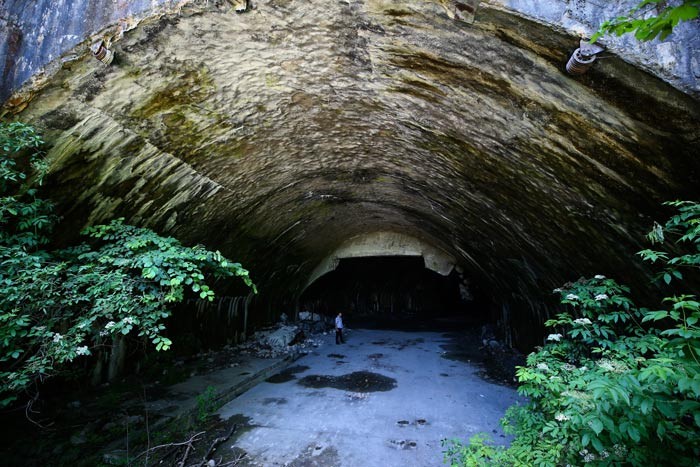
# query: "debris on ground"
{"points": [[286, 339]]}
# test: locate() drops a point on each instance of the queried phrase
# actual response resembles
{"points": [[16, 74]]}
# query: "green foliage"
{"points": [[206, 404], [59, 305], [615, 384], [647, 26]]}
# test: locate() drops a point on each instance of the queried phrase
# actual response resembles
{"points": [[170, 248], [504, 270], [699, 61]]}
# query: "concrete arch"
{"points": [[385, 244]]}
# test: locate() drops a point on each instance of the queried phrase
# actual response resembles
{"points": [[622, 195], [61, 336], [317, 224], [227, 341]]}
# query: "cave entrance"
{"points": [[395, 292]]}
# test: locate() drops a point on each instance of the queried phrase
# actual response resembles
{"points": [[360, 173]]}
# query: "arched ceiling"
{"points": [[277, 135]]}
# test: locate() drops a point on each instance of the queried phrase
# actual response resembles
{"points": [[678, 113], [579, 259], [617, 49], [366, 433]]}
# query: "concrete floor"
{"points": [[366, 420]]}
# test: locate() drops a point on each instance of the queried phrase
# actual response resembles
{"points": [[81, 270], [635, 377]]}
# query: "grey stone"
{"points": [[282, 337], [305, 315]]}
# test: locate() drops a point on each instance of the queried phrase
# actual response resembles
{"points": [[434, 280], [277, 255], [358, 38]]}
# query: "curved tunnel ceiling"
{"points": [[279, 134]]}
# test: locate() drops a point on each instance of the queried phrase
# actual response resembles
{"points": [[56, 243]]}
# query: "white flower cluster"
{"points": [[620, 450], [612, 365], [572, 297], [110, 325], [560, 417], [57, 337], [606, 365], [82, 350], [542, 366], [587, 456], [600, 277], [128, 320], [582, 321], [557, 290], [600, 297], [554, 337]]}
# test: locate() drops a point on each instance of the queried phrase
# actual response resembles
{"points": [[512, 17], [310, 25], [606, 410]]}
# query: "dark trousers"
{"points": [[339, 336]]}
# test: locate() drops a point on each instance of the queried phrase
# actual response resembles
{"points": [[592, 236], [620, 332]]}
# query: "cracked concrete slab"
{"points": [[433, 398]]}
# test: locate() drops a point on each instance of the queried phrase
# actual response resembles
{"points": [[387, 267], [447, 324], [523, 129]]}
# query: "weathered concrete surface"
{"points": [[35, 33], [676, 60], [181, 399], [279, 134], [37, 36], [385, 244], [434, 398]]}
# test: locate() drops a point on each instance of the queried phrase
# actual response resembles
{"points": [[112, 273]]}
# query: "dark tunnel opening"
{"points": [[397, 292]]}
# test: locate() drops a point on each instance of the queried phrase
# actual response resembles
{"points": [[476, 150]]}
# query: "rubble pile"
{"points": [[314, 323], [285, 338]]}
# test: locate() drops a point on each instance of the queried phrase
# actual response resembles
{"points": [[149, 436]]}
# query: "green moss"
{"points": [[192, 86], [443, 71], [397, 13]]}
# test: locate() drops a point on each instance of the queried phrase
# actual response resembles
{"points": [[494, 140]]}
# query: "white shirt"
{"points": [[338, 322]]}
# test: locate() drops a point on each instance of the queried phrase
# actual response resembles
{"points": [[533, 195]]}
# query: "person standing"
{"points": [[339, 329]]}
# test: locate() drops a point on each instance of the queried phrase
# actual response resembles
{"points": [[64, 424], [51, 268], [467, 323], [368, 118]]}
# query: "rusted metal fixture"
{"points": [[101, 52], [582, 59]]}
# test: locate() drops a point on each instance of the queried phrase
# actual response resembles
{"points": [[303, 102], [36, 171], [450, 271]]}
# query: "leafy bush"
{"points": [[615, 384], [650, 19], [58, 305], [206, 404]]}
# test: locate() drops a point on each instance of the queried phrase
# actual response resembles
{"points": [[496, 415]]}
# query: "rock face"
{"points": [[279, 134], [37, 37], [35, 33]]}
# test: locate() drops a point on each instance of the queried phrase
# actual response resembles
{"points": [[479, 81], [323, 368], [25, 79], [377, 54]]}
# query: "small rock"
{"points": [[78, 438], [305, 316]]}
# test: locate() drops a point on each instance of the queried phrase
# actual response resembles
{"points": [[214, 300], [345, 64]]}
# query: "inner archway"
{"points": [[397, 292]]}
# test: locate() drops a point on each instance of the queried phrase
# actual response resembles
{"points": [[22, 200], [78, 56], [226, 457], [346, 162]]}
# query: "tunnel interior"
{"points": [[278, 135], [386, 159], [397, 292]]}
